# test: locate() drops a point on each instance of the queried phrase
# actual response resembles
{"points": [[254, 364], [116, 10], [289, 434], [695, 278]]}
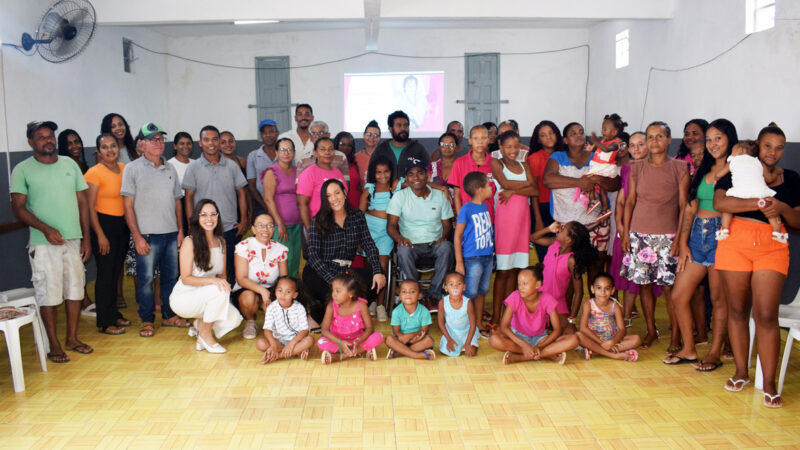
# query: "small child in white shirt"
{"points": [[285, 325]]}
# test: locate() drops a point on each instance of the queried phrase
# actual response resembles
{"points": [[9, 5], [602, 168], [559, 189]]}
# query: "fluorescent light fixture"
{"points": [[253, 22]]}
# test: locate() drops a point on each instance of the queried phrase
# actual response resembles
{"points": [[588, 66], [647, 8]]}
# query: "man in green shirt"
{"points": [[48, 194]]}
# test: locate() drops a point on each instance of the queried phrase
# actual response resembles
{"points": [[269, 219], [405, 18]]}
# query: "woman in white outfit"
{"points": [[202, 293]]}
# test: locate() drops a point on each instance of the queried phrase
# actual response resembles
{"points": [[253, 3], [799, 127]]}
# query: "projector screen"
{"points": [[370, 96]]}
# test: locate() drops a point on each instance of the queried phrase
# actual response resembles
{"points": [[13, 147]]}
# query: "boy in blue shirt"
{"points": [[410, 324], [474, 242]]}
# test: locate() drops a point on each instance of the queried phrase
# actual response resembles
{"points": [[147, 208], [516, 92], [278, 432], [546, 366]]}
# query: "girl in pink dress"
{"points": [[347, 329], [569, 255], [515, 186]]}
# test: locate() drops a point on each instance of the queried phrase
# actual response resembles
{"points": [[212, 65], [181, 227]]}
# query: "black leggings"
{"points": [[108, 267]]}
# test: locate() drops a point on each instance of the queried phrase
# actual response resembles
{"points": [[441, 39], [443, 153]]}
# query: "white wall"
{"points": [[538, 86], [754, 84], [78, 93]]}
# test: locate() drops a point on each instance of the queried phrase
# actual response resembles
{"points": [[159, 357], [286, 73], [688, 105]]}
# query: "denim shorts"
{"points": [[478, 275], [532, 340], [703, 240]]}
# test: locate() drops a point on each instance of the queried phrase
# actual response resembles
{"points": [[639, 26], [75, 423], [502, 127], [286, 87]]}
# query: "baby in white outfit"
{"points": [[747, 178]]}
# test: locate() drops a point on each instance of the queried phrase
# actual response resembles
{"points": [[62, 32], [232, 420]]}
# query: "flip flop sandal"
{"points": [[769, 400], [430, 355], [391, 354], [326, 357], [83, 349], [714, 366], [304, 355], [58, 358], [372, 355], [735, 385], [123, 322], [175, 323], [587, 354], [506, 358], [628, 323], [562, 358], [679, 361], [108, 330], [633, 356]]}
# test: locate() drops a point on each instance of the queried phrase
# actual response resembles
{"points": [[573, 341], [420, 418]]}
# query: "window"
{"points": [[623, 48], [759, 15]]}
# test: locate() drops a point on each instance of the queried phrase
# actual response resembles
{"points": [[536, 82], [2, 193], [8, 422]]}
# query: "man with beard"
{"points": [[319, 130], [258, 160], [48, 194], [400, 149], [304, 146]]}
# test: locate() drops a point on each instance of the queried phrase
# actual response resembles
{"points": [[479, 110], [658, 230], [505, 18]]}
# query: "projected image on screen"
{"points": [[370, 96]]}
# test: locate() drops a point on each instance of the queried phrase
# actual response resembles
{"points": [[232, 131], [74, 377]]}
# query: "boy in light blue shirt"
{"points": [[410, 324]]}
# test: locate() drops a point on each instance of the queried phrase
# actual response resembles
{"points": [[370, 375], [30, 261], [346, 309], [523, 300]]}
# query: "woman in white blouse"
{"points": [[259, 261], [202, 293]]}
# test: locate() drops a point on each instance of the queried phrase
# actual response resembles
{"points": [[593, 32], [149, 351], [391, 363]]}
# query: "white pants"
{"points": [[207, 303]]}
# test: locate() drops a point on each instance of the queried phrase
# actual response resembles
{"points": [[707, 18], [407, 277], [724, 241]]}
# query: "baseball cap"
{"points": [[266, 122], [36, 124], [414, 162], [149, 130]]}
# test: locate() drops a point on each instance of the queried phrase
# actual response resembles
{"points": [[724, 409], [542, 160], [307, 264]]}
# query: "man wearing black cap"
{"points": [[44, 189], [419, 223]]}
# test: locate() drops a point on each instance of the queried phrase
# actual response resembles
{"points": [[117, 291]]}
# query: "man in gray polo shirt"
{"points": [[259, 159], [213, 177], [152, 198]]}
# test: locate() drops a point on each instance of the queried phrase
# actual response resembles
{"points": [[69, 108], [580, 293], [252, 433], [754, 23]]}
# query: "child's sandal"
{"points": [[326, 357], [304, 355], [770, 400], [372, 355], [506, 358], [391, 354], [632, 355], [430, 355], [587, 353]]}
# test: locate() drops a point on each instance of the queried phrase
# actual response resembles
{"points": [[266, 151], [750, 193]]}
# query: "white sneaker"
{"points": [[372, 308], [381, 313], [249, 330]]}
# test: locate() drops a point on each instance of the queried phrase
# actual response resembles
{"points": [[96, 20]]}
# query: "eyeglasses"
{"points": [[261, 226], [318, 133], [371, 134], [450, 145], [204, 215], [285, 150], [156, 140]]}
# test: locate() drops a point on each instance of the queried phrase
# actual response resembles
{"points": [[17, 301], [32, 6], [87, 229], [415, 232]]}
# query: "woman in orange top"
{"points": [[109, 232], [545, 140]]}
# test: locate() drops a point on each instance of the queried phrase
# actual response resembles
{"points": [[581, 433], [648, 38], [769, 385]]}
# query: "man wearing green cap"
{"points": [[153, 210]]}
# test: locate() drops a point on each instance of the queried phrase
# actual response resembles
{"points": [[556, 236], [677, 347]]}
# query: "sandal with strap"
{"points": [[430, 355], [770, 400], [111, 330], [147, 330], [506, 358], [734, 386], [632, 355], [175, 322]]}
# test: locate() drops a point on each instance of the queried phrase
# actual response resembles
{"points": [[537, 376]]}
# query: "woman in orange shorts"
{"points": [[751, 261]]}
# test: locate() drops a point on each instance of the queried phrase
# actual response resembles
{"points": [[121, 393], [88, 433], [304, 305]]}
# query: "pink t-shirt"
{"points": [[464, 165], [556, 276], [530, 323], [310, 182]]}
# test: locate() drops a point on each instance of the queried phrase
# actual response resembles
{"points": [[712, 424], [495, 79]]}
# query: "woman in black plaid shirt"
{"points": [[335, 234]]}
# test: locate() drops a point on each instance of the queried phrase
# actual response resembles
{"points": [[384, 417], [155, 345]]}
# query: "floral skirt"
{"points": [[649, 260]]}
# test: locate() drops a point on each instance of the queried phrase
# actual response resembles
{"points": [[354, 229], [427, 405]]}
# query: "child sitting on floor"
{"points": [[523, 329], [285, 325], [457, 319], [347, 329], [410, 324], [602, 327], [747, 178]]}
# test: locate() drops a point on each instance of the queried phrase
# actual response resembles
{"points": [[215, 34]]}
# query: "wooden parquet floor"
{"points": [[160, 393]]}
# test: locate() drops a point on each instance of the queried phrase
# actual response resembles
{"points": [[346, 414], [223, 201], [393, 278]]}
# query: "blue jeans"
{"points": [[703, 241], [164, 253], [443, 255], [478, 275]]}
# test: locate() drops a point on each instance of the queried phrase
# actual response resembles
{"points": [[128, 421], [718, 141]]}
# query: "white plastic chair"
{"points": [[10, 329], [788, 315], [25, 297], [794, 334]]}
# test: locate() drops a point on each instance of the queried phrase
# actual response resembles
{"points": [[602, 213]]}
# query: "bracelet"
{"points": [[340, 345], [572, 320], [762, 203]]}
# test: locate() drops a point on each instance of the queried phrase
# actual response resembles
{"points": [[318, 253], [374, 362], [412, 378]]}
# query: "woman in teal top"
{"points": [[697, 248]]}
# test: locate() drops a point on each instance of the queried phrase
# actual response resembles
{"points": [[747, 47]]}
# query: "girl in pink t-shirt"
{"points": [[310, 181], [523, 328]]}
